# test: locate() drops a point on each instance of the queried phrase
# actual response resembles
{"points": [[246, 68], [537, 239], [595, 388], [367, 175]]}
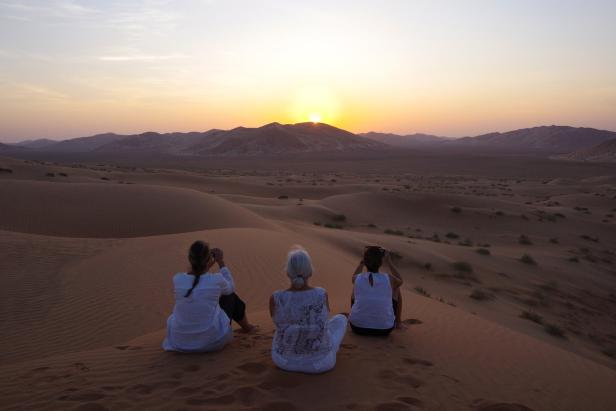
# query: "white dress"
{"points": [[305, 339], [373, 306], [197, 323]]}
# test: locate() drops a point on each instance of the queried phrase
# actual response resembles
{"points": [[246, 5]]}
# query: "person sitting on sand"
{"points": [[376, 304], [205, 304], [305, 339]]}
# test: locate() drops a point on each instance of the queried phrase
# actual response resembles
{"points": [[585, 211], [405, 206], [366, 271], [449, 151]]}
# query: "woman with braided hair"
{"points": [[205, 304]]}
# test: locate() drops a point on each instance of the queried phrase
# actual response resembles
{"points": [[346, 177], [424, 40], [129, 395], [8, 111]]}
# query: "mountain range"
{"points": [[281, 139]]}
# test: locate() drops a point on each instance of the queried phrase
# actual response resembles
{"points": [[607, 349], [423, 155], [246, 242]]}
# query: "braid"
{"points": [[197, 255]]}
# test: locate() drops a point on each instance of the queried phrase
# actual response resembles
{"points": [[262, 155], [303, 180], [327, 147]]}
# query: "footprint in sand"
{"points": [[248, 395], [91, 406], [348, 346], [82, 396], [278, 406], [390, 377], [417, 361], [416, 402], [412, 321], [481, 405], [192, 368], [220, 400], [393, 406], [253, 367]]}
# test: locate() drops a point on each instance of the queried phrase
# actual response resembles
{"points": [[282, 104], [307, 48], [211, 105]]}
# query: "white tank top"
{"points": [[373, 303]]}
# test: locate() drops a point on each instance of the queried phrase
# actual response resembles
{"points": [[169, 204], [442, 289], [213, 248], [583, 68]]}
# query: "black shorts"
{"points": [[233, 306], [374, 331]]}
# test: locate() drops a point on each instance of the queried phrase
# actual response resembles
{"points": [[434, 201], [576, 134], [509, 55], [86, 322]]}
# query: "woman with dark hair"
{"points": [[205, 304], [376, 303]]}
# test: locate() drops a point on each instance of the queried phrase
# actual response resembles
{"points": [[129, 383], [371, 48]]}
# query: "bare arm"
{"points": [[358, 270], [272, 305], [394, 275], [327, 301]]}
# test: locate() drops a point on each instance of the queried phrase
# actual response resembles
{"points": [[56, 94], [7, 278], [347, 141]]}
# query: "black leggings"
{"points": [[374, 331], [233, 306]]}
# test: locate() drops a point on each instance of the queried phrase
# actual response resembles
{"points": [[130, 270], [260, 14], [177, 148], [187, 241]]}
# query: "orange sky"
{"points": [[71, 68]]}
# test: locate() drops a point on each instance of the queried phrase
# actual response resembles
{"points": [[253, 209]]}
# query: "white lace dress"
{"points": [[305, 339]]}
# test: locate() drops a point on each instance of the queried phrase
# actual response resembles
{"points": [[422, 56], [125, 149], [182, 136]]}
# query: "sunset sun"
{"points": [[315, 117]]}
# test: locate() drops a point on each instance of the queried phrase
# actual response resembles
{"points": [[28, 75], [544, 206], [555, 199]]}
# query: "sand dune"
{"points": [[87, 264], [114, 211], [440, 363]]}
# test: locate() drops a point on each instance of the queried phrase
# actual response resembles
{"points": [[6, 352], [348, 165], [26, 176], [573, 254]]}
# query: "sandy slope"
{"points": [[112, 211], [86, 270], [452, 360]]}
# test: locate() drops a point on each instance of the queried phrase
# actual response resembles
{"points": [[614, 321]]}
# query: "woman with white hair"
{"points": [[305, 339]]}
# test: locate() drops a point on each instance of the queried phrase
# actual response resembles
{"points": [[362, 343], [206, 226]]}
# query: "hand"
{"points": [[387, 257], [218, 256]]}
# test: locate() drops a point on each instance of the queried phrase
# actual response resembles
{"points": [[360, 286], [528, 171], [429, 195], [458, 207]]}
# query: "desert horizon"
{"points": [[303, 206]]}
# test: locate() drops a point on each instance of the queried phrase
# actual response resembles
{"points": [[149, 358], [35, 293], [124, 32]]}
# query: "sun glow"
{"points": [[315, 117]]}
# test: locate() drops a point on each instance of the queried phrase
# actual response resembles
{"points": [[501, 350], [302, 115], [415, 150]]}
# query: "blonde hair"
{"points": [[299, 267]]}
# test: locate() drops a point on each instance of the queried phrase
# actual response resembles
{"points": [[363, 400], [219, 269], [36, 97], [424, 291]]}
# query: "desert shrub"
{"points": [[554, 330], [589, 238], [483, 251], [499, 213], [50, 175], [63, 174], [422, 291], [395, 255], [5, 170], [393, 232], [452, 235], [456, 210], [283, 197], [316, 223], [371, 225], [466, 242], [339, 217], [428, 266], [573, 259], [554, 240], [462, 266], [105, 178], [532, 316], [527, 259], [524, 240], [480, 295], [336, 226], [610, 352]]}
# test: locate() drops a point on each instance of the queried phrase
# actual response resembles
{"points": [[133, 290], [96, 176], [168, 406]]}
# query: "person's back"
{"points": [[376, 303], [372, 306], [205, 304], [197, 322], [306, 340], [301, 337]]}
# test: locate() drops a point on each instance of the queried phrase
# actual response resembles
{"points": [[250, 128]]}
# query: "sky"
{"points": [[72, 68]]}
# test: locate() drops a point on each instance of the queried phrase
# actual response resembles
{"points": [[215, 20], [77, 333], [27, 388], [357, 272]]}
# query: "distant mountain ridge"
{"points": [[552, 139], [408, 140], [273, 138], [281, 139], [602, 152]]}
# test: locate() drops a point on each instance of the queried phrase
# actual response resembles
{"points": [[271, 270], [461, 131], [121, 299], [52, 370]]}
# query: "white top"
{"points": [[302, 340], [197, 322], [373, 304]]}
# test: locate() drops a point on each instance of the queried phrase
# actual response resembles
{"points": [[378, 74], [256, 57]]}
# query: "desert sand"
{"points": [[88, 250]]}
